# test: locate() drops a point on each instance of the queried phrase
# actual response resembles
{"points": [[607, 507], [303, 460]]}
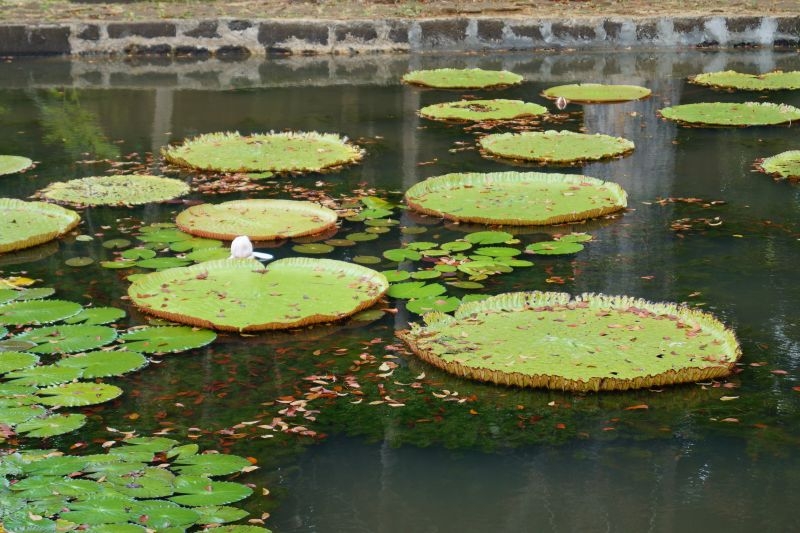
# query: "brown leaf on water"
{"points": [[637, 407], [779, 372], [735, 420]]}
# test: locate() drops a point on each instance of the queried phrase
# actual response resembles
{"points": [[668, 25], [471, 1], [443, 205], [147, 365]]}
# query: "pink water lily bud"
{"points": [[241, 248]]}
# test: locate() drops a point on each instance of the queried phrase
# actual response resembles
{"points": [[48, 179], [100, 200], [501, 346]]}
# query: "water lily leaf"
{"points": [[415, 289], [116, 243], [116, 528], [237, 529], [477, 110], [466, 284], [393, 276], [26, 224], [426, 274], [554, 247], [593, 342], [163, 339], [37, 293], [276, 152], [402, 254], [489, 237], [11, 164], [413, 230], [376, 213], [783, 165], [148, 482], [374, 202], [100, 509], [515, 198], [184, 450], [381, 222], [730, 79], [208, 254], [36, 312], [78, 394], [313, 248], [731, 114], [300, 291], [79, 261], [575, 237], [210, 464], [16, 361], [471, 78], [68, 339], [54, 465], [196, 491], [258, 219], [115, 190], [597, 92], [51, 425], [161, 234], [150, 445], [340, 242], [160, 515], [366, 259], [95, 316], [195, 243], [433, 303], [45, 375], [118, 264], [514, 263], [555, 146], [138, 253], [362, 236], [103, 364], [19, 414], [457, 246], [37, 487], [7, 295], [445, 268], [497, 251], [219, 514], [162, 262]]}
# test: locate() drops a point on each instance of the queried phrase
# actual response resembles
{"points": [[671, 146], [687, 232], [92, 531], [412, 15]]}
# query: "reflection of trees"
{"points": [[67, 124]]}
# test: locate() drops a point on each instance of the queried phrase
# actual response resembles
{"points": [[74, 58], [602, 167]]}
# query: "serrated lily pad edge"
{"points": [[72, 219], [526, 300]]}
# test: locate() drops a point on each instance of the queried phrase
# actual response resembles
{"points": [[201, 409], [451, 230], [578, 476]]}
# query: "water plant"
{"points": [[731, 79], [590, 343], [258, 219], [588, 93], [731, 114], [244, 295], [11, 164], [276, 152], [784, 165], [477, 110], [555, 146], [469, 78], [25, 224], [515, 198], [131, 189]]}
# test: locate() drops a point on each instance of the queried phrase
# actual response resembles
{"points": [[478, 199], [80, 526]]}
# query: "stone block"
{"points": [[531, 31], [360, 31], [490, 30], [573, 32], [91, 32], [613, 29], [646, 31], [437, 31], [743, 24], [206, 28], [34, 40], [148, 30], [271, 34], [239, 25]]}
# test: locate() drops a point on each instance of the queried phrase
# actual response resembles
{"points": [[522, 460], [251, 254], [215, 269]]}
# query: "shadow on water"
{"points": [[455, 455]]}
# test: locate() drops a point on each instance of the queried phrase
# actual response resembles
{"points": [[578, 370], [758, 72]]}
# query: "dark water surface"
{"points": [[503, 459]]}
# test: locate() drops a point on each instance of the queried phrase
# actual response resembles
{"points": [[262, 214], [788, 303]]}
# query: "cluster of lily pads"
{"points": [[54, 353], [144, 484]]}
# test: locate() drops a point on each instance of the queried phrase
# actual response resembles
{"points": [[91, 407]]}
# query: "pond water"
{"points": [[457, 455]]}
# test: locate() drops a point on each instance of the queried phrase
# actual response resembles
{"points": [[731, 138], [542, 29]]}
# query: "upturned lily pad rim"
{"points": [[13, 164], [550, 301], [455, 112], [64, 221], [344, 271], [771, 165], [577, 93], [131, 189], [418, 77], [285, 211], [617, 146], [455, 181], [788, 114]]}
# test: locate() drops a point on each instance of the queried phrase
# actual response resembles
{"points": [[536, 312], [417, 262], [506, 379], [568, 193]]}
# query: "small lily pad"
{"points": [[478, 110], [78, 394], [393, 276], [138, 253], [81, 261], [415, 289], [37, 311], [402, 254], [555, 146], [471, 78], [16, 361], [313, 248], [163, 339], [104, 364], [785, 165], [159, 263], [597, 92], [489, 237], [554, 248], [200, 491], [443, 304], [68, 339], [52, 425], [366, 259], [96, 316], [11, 164]]}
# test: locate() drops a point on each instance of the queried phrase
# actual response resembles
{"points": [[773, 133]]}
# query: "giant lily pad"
{"points": [[555, 146], [26, 224], [592, 342], [477, 110], [259, 219], [11, 164], [78, 394], [244, 295], [277, 152], [115, 190], [730, 79], [470, 78], [516, 198], [731, 114], [37, 311], [67, 339], [784, 165], [597, 92]]}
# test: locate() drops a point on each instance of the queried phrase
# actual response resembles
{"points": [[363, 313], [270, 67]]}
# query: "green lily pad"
{"points": [[93, 316], [243, 295], [51, 425], [515, 198], [78, 394], [112, 244], [362, 237], [13, 415], [554, 247], [219, 514], [26, 224], [237, 529], [497, 251], [162, 262], [575, 237], [785, 165], [458, 246], [731, 114], [366, 259], [68, 339], [210, 464], [165, 516], [37, 312], [426, 274], [16, 361], [35, 294], [276, 152], [195, 243], [393, 276], [165, 339], [81, 261], [313, 248], [597, 93], [103, 364], [208, 254], [444, 304], [470, 78], [477, 110], [402, 254], [730, 79], [340, 242], [415, 289], [138, 253], [489, 237], [125, 263], [198, 491], [44, 375], [163, 234], [115, 190], [148, 482], [592, 342], [11, 164], [258, 219], [555, 146]]}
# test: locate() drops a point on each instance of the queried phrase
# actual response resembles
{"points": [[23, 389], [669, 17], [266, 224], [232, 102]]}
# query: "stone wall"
{"points": [[236, 38]]}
